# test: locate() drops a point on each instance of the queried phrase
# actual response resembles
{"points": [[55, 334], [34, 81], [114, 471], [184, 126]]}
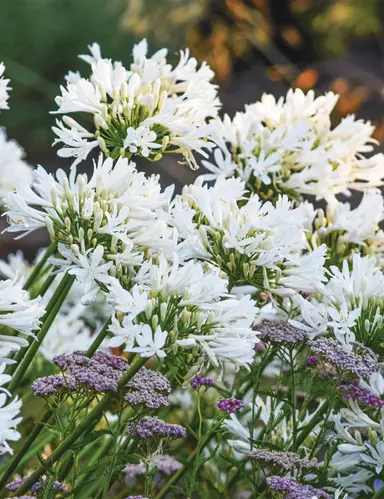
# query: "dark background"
{"points": [[254, 46]]}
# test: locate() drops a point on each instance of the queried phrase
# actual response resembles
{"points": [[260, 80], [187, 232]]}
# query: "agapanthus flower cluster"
{"points": [[4, 88], [183, 308], [292, 489], [11, 160], [146, 109], [254, 243], [289, 146], [351, 305], [9, 415], [346, 231], [155, 428], [102, 225]]}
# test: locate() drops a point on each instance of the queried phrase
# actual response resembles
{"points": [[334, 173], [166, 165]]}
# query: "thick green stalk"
{"points": [[23, 450], [99, 338], [38, 267], [52, 310], [90, 419]]}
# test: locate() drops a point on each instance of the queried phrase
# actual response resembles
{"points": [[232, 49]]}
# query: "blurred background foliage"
{"points": [[254, 46]]}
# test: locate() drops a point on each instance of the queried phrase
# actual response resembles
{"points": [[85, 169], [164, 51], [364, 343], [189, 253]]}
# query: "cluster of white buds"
{"points": [[345, 230], [254, 243], [148, 109]]}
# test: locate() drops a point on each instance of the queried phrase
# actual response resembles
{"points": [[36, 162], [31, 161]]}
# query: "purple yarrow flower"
{"points": [[199, 381], [153, 427], [230, 405], [352, 389], [166, 465], [136, 497], [360, 361], [292, 489], [148, 388], [280, 332], [100, 373], [15, 484], [312, 360], [285, 460]]}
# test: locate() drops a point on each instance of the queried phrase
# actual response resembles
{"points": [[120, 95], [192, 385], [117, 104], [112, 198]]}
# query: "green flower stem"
{"points": [[38, 267], [181, 471], [99, 338], [379, 494], [86, 423], [46, 284], [38, 427], [53, 308], [306, 430]]}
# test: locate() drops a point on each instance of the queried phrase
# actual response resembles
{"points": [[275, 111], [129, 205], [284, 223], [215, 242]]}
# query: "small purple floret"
{"points": [[199, 381], [230, 405]]}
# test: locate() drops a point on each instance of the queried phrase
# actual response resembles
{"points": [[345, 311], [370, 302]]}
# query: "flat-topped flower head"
{"points": [[148, 388], [183, 310], [145, 109], [288, 146], [154, 428], [359, 361], [279, 332], [352, 389], [254, 242], [290, 488], [285, 460], [165, 465], [37, 486], [98, 374], [4, 88]]}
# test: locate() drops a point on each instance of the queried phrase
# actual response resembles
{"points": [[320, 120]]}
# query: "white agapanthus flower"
{"points": [[344, 229], [9, 416], [255, 243], [289, 146], [183, 307], [352, 304], [103, 224], [17, 310], [146, 109], [13, 169], [4, 88], [268, 412]]}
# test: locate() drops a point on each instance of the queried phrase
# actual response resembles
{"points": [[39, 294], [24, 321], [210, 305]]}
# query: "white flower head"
{"points": [[146, 109]]}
